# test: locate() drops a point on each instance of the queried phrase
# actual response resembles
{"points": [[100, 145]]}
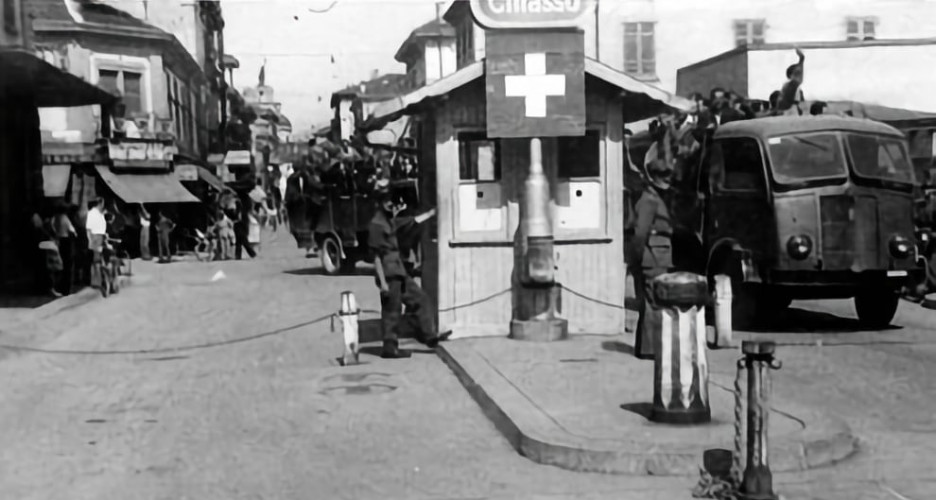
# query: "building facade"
{"points": [[652, 39], [27, 85], [165, 92]]}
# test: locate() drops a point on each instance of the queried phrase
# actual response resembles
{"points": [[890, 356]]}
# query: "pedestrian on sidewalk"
{"points": [[65, 236], [49, 262], [241, 229], [651, 252], [225, 235], [144, 233], [397, 287], [164, 228], [96, 228]]}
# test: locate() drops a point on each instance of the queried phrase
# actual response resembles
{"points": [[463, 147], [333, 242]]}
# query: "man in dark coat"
{"points": [[397, 287], [651, 250]]}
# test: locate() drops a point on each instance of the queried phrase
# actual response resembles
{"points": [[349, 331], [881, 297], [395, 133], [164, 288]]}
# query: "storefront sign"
{"points": [[186, 172], [518, 14], [237, 158], [140, 151]]}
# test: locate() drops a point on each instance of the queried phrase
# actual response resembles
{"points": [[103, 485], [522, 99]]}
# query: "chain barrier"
{"points": [[719, 488]]}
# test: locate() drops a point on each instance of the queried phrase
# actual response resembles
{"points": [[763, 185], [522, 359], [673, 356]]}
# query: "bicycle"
{"points": [[109, 267]]}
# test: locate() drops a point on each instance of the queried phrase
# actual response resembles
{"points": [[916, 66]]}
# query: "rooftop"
{"points": [[435, 28], [780, 125]]}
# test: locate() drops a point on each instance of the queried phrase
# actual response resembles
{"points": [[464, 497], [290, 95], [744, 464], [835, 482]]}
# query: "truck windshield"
{"points": [[878, 157], [806, 157]]}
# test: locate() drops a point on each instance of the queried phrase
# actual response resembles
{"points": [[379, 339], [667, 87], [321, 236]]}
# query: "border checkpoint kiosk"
{"points": [[522, 156]]}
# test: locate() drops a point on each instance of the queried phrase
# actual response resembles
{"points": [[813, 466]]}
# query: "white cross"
{"points": [[534, 85]]}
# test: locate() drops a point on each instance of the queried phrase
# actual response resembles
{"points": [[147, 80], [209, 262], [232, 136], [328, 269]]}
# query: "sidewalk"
{"points": [[18, 310], [582, 404]]}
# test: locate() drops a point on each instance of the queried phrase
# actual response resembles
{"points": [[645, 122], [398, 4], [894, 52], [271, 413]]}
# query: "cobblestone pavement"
{"points": [[274, 417]]}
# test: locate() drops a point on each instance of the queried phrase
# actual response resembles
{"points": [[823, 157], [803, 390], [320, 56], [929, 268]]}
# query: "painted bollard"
{"points": [[724, 330], [680, 381], [349, 313]]}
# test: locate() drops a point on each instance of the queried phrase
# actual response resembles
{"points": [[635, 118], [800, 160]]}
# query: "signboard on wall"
{"points": [[535, 83], [140, 153], [521, 14]]}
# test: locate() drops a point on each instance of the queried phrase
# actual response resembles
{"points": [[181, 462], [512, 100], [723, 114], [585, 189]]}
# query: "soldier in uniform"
{"points": [[651, 250], [397, 287]]}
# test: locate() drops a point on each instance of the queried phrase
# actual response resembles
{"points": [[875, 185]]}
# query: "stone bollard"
{"points": [[680, 368], [349, 313], [757, 482]]}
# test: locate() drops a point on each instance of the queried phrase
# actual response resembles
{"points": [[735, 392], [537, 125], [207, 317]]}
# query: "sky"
{"points": [[297, 43]]}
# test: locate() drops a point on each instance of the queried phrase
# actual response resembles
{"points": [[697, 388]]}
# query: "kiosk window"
{"points": [[579, 156], [478, 158], [741, 164]]}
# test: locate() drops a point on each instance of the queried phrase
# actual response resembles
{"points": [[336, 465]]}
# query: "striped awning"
{"points": [[146, 188]]}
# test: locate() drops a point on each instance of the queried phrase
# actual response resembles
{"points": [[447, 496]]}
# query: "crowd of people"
{"points": [[72, 240], [344, 169]]}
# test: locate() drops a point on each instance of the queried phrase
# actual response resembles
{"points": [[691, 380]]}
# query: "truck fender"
{"points": [[321, 237], [726, 249]]}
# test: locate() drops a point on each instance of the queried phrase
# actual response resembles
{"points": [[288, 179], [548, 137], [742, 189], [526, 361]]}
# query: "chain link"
{"points": [[738, 425]]}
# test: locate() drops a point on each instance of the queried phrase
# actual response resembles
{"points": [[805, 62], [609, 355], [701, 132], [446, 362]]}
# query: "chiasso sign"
{"points": [[530, 13]]}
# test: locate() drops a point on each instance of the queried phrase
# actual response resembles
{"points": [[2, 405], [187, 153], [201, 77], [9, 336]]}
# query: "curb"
{"points": [[533, 434], [77, 299]]}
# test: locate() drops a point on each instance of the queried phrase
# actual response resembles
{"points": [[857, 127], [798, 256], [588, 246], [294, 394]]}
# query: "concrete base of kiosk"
{"points": [[537, 307], [545, 330]]}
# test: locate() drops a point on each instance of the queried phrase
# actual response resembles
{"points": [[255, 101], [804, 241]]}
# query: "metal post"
{"points": [[348, 313], [757, 483], [538, 297]]}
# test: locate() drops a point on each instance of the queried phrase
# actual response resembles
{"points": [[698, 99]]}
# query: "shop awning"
{"points": [[55, 180], [27, 76], [210, 178], [146, 188]]}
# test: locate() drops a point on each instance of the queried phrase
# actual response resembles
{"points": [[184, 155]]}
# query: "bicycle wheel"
{"points": [[105, 281], [203, 251], [115, 276]]}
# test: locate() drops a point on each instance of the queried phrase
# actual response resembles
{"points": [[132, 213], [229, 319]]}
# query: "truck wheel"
{"points": [[331, 255], [876, 307]]}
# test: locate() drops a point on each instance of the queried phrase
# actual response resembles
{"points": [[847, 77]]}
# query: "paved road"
{"points": [[275, 418], [270, 418]]}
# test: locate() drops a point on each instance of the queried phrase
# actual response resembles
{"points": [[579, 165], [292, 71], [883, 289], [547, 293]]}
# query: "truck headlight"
{"points": [[799, 247]]}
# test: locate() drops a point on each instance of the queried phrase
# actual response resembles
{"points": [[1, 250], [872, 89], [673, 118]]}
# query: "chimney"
{"points": [[374, 74], [439, 6]]}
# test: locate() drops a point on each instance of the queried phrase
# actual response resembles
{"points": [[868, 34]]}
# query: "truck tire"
{"points": [[331, 255], [876, 306]]}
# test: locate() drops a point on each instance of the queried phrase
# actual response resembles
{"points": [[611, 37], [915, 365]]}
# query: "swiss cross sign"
{"points": [[535, 83]]}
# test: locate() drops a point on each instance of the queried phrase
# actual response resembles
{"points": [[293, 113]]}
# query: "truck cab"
{"points": [[806, 207]]}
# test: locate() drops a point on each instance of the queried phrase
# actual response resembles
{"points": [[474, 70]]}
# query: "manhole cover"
{"points": [[359, 390], [357, 384]]}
